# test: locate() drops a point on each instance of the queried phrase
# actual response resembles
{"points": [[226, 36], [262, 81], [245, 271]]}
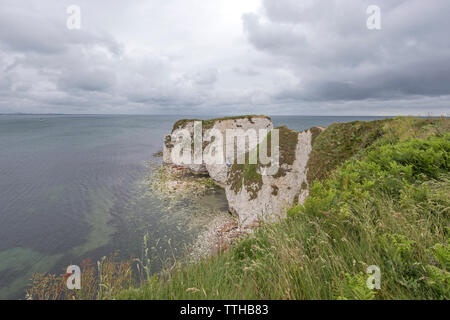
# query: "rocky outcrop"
{"points": [[251, 195], [259, 197], [217, 172]]}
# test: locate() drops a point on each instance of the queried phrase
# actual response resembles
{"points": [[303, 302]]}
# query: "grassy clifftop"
{"points": [[207, 124], [381, 197], [341, 141]]}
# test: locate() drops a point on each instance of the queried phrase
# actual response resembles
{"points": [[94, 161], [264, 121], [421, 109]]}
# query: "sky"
{"points": [[223, 57]]}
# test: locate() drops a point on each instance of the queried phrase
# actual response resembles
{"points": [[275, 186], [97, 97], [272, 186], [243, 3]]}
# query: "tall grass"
{"points": [[101, 280]]}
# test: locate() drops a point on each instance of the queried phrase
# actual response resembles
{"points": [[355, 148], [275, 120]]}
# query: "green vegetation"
{"points": [[249, 175], [338, 143], [288, 145], [315, 131], [385, 201], [101, 281], [207, 124], [341, 141]]}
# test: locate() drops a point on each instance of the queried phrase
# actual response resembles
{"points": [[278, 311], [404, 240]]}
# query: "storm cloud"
{"points": [[225, 57]]}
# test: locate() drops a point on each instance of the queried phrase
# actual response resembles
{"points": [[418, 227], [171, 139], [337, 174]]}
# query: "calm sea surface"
{"points": [[76, 187]]}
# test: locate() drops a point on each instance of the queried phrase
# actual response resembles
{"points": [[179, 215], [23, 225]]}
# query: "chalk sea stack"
{"points": [[251, 195]]}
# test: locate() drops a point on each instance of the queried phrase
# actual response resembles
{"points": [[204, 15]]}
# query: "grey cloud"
{"points": [[44, 63], [335, 57], [247, 71], [288, 56], [206, 77], [95, 79], [22, 30]]}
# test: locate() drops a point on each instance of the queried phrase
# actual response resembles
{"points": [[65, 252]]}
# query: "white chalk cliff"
{"points": [[252, 196]]}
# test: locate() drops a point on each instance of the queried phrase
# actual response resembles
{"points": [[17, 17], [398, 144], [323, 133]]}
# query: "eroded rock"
{"points": [[255, 197], [251, 195], [217, 172]]}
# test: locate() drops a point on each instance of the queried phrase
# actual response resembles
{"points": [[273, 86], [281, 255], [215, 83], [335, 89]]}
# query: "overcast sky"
{"points": [[306, 57]]}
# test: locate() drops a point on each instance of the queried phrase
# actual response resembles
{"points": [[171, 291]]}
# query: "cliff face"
{"points": [[266, 197], [251, 195]]}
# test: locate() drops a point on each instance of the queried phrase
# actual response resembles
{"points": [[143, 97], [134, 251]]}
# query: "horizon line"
{"points": [[214, 115]]}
